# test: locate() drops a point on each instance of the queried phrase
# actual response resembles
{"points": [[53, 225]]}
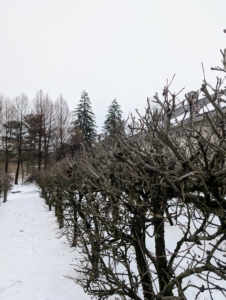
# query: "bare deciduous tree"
{"points": [[62, 122], [21, 109], [127, 195], [8, 116]]}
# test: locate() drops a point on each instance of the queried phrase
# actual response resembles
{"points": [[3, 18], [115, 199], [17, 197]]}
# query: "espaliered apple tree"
{"points": [[146, 208]]}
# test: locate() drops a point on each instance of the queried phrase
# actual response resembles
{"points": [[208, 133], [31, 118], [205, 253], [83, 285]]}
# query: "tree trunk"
{"points": [[160, 249], [17, 171], [39, 154], [6, 160], [60, 212], [5, 195], [75, 227], [138, 231]]}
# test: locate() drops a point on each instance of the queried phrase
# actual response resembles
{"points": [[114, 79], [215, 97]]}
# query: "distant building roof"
{"points": [[200, 103]]}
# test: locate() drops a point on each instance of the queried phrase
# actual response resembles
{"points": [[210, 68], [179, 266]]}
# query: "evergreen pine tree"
{"points": [[113, 122], [85, 118]]}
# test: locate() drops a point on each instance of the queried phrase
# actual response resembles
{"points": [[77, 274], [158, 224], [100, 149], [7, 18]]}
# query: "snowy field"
{"points": [[33, 261]]}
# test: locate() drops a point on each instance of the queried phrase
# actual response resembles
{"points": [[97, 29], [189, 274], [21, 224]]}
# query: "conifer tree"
{"points": [[85, 118], [113, 122]]}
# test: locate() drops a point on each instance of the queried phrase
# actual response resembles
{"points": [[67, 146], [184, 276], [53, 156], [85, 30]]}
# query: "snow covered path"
{"points": [[33, 261]]}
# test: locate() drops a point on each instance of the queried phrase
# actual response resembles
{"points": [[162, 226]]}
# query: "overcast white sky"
{"points": [[123, 49]]}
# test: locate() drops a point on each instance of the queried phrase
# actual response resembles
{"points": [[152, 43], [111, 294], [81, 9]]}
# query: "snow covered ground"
{"points": [[33, 261]]}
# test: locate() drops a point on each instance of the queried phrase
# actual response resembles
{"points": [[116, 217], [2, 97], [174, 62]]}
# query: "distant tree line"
{"points": [[34, 135]]}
